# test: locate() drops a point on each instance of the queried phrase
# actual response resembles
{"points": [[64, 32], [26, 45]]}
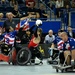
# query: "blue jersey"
{"points": [[69, 45], [58, 41], [1, 37], [9, 37]]}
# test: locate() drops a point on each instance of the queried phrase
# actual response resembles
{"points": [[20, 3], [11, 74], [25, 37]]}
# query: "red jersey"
{"points": [[32, 44]]}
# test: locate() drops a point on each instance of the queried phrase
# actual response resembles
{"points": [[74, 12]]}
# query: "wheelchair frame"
{"points": [[63, 67], [13, 54], [53, 59]]}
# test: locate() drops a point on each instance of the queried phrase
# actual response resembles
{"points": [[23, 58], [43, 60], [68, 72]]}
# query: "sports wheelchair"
{"points": [[16, 55], [53, 56], [61, 64], [19, 54]]}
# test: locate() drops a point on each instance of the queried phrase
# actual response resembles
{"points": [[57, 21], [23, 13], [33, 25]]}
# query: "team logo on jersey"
{"points": [[68, 46]]}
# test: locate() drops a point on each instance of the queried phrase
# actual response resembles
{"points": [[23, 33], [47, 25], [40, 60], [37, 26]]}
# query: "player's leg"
{"points": [[32, 55], [39, 56], [67, 54], [72, 57], [61, 57]]}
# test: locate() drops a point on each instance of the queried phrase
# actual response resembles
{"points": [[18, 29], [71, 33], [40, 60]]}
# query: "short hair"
{"points": [[60, 31], [8, 13], [1, 14], [40, 30], [50, 31]]}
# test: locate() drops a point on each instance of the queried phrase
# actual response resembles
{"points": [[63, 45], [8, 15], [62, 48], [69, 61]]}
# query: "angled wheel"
{"points": [[23, 56]]}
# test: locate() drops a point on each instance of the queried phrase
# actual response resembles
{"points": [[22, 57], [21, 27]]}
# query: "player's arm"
{"points": [[31, 29], [35, 33], [52, 45]]}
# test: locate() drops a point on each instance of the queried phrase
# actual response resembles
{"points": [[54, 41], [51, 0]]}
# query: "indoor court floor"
{"points": [[45, 69]]}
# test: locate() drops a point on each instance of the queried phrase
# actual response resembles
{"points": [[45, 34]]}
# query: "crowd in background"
{"points": [[21, 8], [33, 9]]}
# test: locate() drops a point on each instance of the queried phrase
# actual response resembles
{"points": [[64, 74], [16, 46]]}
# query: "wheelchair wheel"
{"points": [[23, 56]]}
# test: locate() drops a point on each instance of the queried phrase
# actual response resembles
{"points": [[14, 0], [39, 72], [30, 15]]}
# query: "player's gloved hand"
{"points": [[51, 48]]}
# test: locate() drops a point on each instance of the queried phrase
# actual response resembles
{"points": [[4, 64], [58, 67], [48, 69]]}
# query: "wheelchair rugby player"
{"points": [[68, 54]]}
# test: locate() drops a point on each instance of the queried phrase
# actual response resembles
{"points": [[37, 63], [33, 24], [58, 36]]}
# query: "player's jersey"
{"points": [[58, 41], [32, 44], [69, 45], [9, 37]]}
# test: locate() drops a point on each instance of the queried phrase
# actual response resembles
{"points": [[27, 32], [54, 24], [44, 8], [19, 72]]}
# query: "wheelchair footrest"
{"points": [[52, 62]]}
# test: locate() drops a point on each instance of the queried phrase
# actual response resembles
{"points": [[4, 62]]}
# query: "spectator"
{"points": [[67, 2], [13, 2], [73, 3], [70, 32], [42, 12], [66, 13], [49, 38], [1, 16], [33, 12], [4, 1], [59, 5], [29, 2], [52, 4], [16, 12], [9, 22]]}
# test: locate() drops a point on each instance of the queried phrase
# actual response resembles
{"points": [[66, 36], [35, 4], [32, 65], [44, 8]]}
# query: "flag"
{"points": [[24, 24]]}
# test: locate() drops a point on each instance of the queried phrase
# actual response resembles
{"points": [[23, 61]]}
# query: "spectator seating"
{"points": [[2, 9], [8, 9]]}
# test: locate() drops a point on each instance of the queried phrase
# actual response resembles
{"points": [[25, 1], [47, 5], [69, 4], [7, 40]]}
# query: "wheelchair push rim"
{"points": [[23, 56]]}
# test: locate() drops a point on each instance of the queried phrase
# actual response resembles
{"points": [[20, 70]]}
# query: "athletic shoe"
{"points": [[32, 64]]}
